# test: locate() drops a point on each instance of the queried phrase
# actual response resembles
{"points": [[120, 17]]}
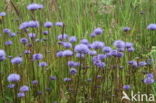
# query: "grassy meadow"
{"points": [[60, 62]]}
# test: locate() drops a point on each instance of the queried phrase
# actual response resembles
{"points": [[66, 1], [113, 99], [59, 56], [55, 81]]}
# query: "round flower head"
{"points": [[131, 49], [73, 71], [93, 35], [126, 87], [12, 34], [2, 53], [133, 63], [17, 60], [13, 77], [121, 49], [126, 29], [72, 39], [148, 80], [142, 63], [62, 37], [128, 45], [73, 64], [33, 24], [8, 42], [119, 44], [151, 27], [99, 64], [11, 86], [27, 52], [45, 32], [52, 77], [102, 56], [92, 52], [67, 53], [67, 45], [81, 48], [43, 64], [84, 41], [67, 79], [60, 24], [37, 56], [2, 14], [32, 35], [24, 88], [24, 40], [6, 30], [48, 24], [80, 55], [59, 54], [149, 75], [97, 45], [107, 49], [34, 82], [98, 31], [21, 94], [24, 25], [34, 6]]}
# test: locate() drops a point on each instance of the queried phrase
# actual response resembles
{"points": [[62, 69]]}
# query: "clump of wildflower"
{"points": [[126, 29], [43, 64], [81, 48], [2, 55], [151, 27], [2, 14], [48, 24], [37, 56], [24, 88], [149, 79]]}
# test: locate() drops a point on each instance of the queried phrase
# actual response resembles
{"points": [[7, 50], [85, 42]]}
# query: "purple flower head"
{"points": [[37, 56], [52, 77], [24, 25], [12, 34], [62, 37], [67, 45], [149, 75], [67, 79], [126, 29], [148, 80], [34, 6], [34, 82], [59, 54], [27, 52], [98, 31], [93, 35], [92, 52], [133, 63], [21, 94], [67, 53], [60, 24], [142, 63], [72, 39], [73, 71], [99, 64], [45, 32], [81, 48], [151, 27], [120, 49], [126, 87], [24, 88], [24, 40], [130, 49], [97, 45], [84, 41], [2, 55], [107, 49], [73, 64], [2, 14], [17, 60], [6, 30], [32, 35], [11, 86], [48, 24], [102, 56], [43, 64], [80, 55], [33, 24], [13, 77], [128, 45], [8, 42], [119, 44]]}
